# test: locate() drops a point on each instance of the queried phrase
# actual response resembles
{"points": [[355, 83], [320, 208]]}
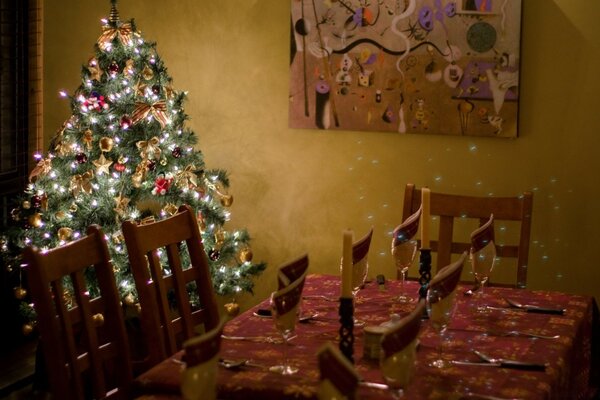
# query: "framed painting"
{"points": [[407, 66]]}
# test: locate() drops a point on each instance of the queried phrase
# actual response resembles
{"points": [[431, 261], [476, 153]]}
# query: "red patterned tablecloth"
{"points": [[569, 357]]}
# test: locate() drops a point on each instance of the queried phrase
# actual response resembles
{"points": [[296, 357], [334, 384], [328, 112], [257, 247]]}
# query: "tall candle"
{"points": [[347, 264], [425, 203]]}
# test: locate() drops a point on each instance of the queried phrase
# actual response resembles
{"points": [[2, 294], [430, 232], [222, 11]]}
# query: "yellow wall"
{"points": [[296, 190]]}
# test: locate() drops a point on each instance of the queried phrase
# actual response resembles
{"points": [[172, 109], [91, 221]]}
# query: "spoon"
{"points": [[472, 290], [535, 309], [307, 318], [235, 364]]}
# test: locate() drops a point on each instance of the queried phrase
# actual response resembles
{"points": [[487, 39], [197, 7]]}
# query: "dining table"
{"points": [[561, 337]]}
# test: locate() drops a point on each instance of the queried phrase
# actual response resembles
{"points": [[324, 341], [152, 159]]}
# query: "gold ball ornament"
{"points": [[19, 293], [246, 254], [226, 200], [60, 215], [232, 309], [106, 143], [147, 73], [26, 205], [98, 319], [129, 299], [27, 329], [73, 207], [65, 233], [35, 220], [219, 237]]}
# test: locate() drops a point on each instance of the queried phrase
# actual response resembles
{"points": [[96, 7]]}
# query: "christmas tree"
{"points": [[125, 153]]}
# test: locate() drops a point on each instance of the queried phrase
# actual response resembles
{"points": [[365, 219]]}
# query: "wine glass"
{"points": [[483, 256], [404, 255], [399, 368], [199, 382], [482, 264], [285, 305], [440, 309], [360, 271]]}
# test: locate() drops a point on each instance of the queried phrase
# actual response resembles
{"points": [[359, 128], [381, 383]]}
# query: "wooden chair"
{"points": [[82, 333], [449, 207], [164, 291]]}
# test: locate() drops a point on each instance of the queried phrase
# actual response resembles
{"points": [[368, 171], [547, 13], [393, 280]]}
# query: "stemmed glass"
{"points": [[360, 266], [440, 310], [404, 249], [483, 257], [284, 309], [399, 352], [360, 271], [404, 255], [398, 369]]}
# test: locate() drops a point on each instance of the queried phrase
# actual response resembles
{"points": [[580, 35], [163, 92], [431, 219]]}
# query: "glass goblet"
{"points": [[404, 255], [440, 310], [286, 325], [482, 264], [199, 382], [360, 271], [399, 368]]}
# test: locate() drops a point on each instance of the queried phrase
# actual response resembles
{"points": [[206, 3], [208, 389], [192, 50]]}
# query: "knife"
{"points": [[530, 309], [505, 364]]}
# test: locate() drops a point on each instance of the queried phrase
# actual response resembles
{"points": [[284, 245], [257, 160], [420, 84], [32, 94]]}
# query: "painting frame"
{"points": [[406, 66]]}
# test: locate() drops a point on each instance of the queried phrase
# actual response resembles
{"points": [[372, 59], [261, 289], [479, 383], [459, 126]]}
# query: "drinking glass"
{"points": [[399, 368], [360, 271], [404, 255], [199, 382], [440, 310], [285, 322], [482, 264]]}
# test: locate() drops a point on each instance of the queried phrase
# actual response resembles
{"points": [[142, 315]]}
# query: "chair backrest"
{"points": [[82, 332], [449, 207], [164, 275]]}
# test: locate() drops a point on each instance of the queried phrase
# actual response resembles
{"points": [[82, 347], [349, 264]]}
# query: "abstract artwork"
{"points": [[407, 66]]}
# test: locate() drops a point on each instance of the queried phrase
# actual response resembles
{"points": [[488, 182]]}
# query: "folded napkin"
{"points": [[291, 271], [445, 281], [407, 229], [203, 347], [338, 377], [403, 332], [360, 248], [483, 235], [287, 299]]}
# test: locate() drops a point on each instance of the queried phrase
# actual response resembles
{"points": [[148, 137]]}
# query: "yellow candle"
{"points": [[347, 264], [425, 203]]}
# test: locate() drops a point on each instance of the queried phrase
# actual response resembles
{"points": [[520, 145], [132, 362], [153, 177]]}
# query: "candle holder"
{"points": [[346, 331], [424, 272]]}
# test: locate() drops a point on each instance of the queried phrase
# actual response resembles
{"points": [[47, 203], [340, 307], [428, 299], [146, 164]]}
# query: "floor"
{"points": [[16, 373]]}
